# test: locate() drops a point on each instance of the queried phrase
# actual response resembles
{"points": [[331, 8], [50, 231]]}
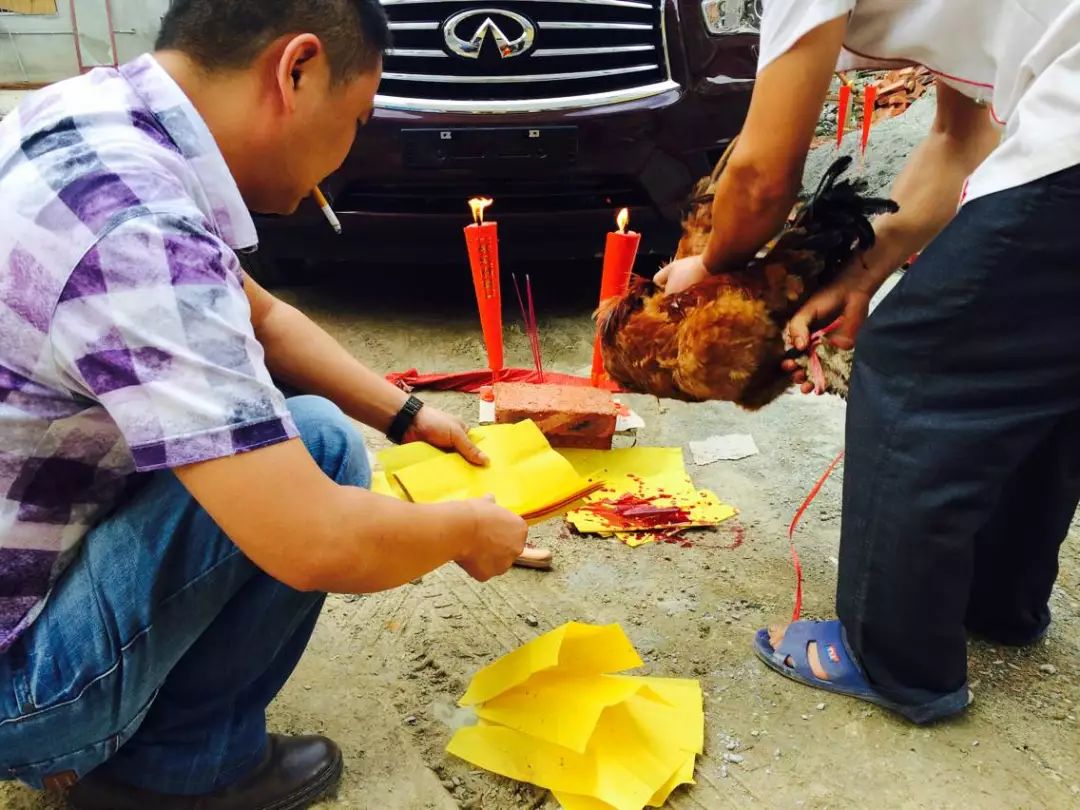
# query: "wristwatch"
{"points": [[404, 419]]}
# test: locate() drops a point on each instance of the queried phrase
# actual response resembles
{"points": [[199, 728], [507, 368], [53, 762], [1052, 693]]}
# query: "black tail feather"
{"points": [[835, 221]]}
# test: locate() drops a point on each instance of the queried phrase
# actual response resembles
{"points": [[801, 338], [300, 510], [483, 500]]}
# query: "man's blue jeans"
{"points": [[162, 645]]}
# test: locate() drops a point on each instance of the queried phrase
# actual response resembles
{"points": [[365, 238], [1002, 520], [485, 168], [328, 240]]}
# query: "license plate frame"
{"points": [[461, 147]]}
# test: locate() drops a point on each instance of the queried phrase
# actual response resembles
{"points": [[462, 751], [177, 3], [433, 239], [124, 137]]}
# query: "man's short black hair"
{"points": [[224, 34]]}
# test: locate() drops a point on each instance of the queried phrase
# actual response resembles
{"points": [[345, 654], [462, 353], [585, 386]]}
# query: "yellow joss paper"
{"points": [[655, 475], [571, 801], [524, 475], [553, 714], [684, 697], [610, 466], [698, 507], [393, 459], [558, 707], [623, 738], [518, 756], [683, 776], [574, 648], [380, 485], [627, 764]]}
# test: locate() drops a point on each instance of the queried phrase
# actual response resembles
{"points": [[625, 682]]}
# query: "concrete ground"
{"points": [[383, 672]]}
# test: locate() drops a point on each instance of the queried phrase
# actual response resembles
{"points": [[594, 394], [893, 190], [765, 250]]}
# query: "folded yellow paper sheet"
{"points": [[575, 648], [555, 714], [525, 475], [650, 476]]}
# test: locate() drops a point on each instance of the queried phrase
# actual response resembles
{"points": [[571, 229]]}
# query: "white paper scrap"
{"points": [[723, 448], [628, 421]]}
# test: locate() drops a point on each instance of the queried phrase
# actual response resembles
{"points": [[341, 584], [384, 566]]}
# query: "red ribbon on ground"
{"points": [[796, 564], [470, 382]]}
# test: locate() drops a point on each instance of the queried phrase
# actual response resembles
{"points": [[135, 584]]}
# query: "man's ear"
{"points": [[294, 65]]}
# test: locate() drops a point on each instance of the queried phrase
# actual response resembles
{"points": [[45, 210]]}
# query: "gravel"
{"points": [[891, 141]]}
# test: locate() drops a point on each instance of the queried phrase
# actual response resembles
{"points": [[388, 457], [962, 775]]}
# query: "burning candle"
{"points": [[619, 255], [482, 241]]}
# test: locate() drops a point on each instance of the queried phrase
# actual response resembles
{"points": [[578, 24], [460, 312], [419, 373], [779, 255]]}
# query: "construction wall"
{"points": [[37, 44]]}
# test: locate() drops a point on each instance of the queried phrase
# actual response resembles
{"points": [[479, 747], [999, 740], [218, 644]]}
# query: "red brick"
{"points": [[570, 416], [581, 442]]}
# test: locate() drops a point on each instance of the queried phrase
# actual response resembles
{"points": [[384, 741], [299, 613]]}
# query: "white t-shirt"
{"points": [[1020, 56]]}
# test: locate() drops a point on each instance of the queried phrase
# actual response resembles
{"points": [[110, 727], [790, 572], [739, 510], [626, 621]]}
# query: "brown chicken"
{"points": [[723, 338]]}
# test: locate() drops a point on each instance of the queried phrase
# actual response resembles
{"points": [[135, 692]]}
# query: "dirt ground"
{"points": [[383, 672]]}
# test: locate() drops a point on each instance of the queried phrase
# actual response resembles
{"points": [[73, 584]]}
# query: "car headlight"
{"points": [[731, 16]]}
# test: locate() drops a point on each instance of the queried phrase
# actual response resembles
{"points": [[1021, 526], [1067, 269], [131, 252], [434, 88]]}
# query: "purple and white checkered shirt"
{"points": [[127, 341]]}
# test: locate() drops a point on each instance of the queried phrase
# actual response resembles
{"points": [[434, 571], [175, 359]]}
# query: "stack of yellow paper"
{"points": [[552, 713], [525, 474], [635, 481]]}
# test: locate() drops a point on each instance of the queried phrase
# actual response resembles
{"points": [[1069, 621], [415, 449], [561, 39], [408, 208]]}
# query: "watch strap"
{"points": [[404, 419]]}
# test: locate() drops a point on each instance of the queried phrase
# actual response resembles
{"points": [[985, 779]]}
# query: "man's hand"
{"points": [[497, 540], [681, 274], [847, 298], [446, 432]]}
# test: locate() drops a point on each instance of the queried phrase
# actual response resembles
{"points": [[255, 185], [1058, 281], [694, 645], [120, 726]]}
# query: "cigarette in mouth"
{"points": [[328, 212]]}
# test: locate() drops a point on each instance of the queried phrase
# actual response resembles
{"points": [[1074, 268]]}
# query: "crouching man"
{"points": [[169, 522]]}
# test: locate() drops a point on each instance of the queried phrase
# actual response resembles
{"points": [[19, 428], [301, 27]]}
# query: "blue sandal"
{"points": [[845, 675]]}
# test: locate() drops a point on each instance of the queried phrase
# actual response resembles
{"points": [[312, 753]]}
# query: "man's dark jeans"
{"points": [[963, 442]]}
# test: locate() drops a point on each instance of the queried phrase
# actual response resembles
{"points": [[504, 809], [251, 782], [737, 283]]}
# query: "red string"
{"points": [[791, 534], [817, 373]]}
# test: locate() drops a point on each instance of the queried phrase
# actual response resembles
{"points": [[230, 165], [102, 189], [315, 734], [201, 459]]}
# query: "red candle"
{"points": [[842, 112], [869, 103], [482, 240], [619, 255]]}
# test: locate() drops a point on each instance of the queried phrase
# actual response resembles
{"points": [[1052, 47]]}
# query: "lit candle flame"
{"points": [[478, 204], [623, 219]]}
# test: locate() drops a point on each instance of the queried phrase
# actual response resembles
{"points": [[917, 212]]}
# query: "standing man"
{"points": [[169, 523], [963, 430]]}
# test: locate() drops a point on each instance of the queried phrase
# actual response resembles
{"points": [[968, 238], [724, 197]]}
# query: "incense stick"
{"points": [[535, 329], [524, 316], [532, 330]]}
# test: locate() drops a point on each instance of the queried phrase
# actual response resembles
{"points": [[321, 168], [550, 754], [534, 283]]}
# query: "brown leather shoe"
{"points": [[297, 772]]}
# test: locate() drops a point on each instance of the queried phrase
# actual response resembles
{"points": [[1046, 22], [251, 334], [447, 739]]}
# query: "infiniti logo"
{"points": [[456, 32]]}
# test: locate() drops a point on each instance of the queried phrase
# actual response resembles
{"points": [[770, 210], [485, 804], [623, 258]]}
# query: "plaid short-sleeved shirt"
{"points": [[127, 342]]}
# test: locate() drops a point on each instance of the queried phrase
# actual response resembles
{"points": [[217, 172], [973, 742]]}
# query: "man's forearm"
{"points": [[928, 188], [749, 209], [757, 190], [302, 354], [312, 534], [398, 542], [928, 192]]}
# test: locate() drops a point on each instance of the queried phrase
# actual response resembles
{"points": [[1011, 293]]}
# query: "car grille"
{"points": [[523, 55]]}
